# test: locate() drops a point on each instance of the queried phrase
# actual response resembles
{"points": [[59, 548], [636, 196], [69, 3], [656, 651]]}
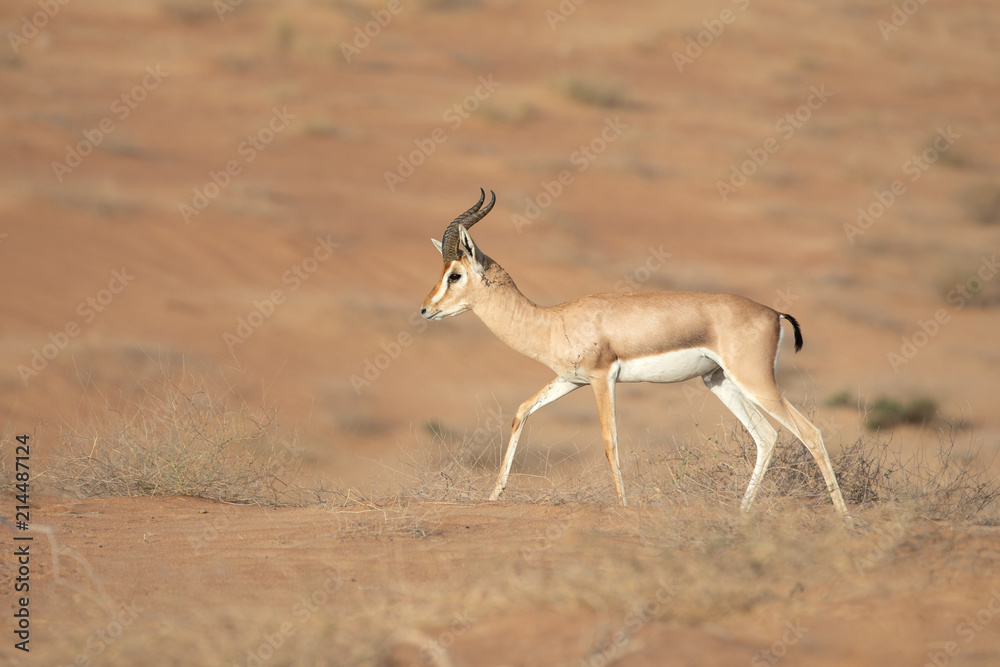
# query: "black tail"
{"points": [[798, 330]]}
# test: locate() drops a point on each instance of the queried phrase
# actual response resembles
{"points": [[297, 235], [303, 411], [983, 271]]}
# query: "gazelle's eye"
{"points": [[455, 277]]}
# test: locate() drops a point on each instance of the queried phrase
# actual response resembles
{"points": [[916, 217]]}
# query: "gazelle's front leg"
{"points": [[604, 390], [550, 392]]}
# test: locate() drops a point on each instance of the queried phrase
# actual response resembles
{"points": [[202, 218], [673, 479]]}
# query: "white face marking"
{"points": [[675, 366], [452, 299], [441, 290], [442, 287]]}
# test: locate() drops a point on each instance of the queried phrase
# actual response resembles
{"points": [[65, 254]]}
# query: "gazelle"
{"points": [[729, 341]]}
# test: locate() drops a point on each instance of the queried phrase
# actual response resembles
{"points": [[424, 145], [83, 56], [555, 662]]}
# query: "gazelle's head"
{"points": [[463, 270]]}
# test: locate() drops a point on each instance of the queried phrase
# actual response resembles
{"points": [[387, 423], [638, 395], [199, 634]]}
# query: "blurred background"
{"points": [[239, 194]]}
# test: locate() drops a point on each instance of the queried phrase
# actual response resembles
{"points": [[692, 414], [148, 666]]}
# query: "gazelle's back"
{"points": [[647, 323]]}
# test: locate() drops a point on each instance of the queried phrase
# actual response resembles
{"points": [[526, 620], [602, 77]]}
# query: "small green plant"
{"points": [[885, 413], [982, 203], [839, 400], [508, 114], [594, 91], [188, 11], [436, 428], [284, 36]]}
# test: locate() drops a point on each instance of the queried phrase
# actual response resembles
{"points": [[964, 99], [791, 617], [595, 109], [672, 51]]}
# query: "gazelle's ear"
{"points": [[466, 245], [437, 244]]}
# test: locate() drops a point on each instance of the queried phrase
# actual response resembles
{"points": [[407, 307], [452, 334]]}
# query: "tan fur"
{"points": [[586, 341]]}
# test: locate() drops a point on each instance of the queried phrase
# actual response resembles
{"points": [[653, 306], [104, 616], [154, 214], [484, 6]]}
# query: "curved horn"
{"points": [[482, 198], [449, 243], [476, 216]]}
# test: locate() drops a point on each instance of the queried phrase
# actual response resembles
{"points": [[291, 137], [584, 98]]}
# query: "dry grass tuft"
{"points": [[186, 443]]}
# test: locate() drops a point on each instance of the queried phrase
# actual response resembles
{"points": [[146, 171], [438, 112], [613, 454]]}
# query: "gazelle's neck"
{"points": [[512, 317]]}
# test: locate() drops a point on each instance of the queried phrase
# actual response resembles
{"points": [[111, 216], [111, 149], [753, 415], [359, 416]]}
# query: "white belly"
{"points": [[668, 367]]}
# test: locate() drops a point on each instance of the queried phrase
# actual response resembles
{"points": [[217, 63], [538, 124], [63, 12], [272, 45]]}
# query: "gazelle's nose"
{"points": [[423, 311]]}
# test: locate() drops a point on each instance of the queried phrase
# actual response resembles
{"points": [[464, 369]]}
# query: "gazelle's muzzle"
{"points": [[435, 305]]}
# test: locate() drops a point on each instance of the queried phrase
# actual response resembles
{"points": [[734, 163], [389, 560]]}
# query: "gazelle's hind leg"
{"points": [[764, 435], [770, 400]]}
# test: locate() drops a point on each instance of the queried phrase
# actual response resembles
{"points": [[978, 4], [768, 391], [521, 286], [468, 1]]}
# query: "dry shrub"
{"points": [[944, 484], [871, 470], [187, 443]]}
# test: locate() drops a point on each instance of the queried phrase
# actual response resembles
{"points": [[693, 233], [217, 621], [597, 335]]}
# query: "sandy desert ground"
{"points": [[233, 199]]}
